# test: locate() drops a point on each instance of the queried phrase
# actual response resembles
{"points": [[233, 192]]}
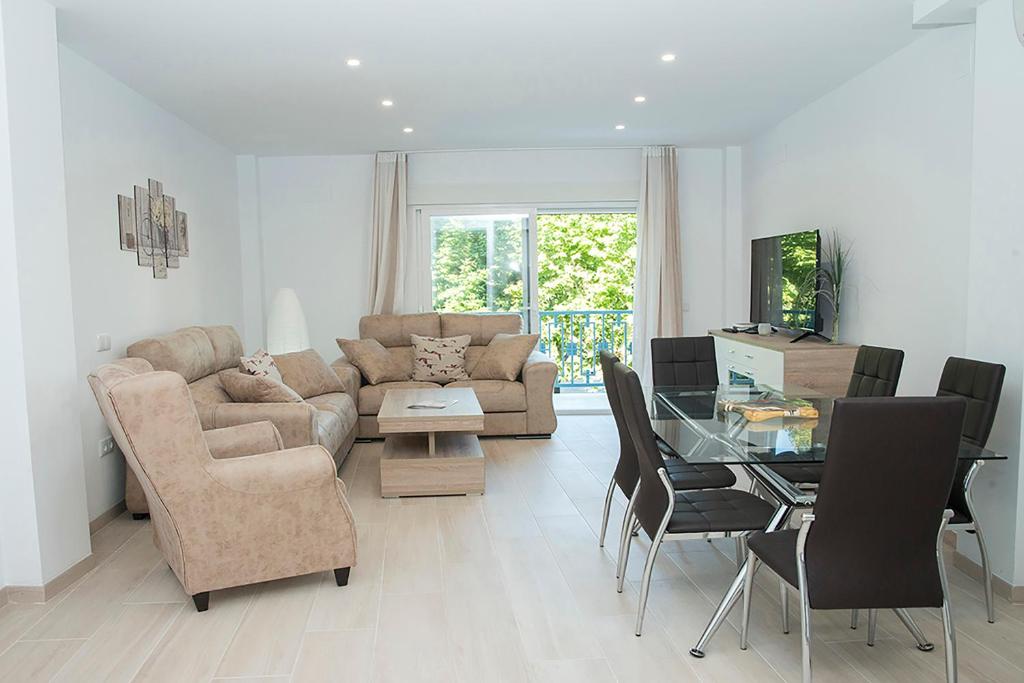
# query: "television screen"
{"points": [[783, 281]]}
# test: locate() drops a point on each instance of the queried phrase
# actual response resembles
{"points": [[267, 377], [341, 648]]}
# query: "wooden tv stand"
{"points": [[775, 361]]}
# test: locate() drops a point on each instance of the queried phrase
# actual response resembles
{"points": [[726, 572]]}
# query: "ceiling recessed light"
{"points": [[639, 98], [407, 130], [352, 61], [668, 57], [386, 103], [620, 127]]}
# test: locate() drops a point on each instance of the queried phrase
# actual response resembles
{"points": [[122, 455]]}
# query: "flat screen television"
{"points": [[783, 282]]}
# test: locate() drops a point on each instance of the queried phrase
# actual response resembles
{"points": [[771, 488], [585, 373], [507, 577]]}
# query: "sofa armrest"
{"points": [[245, 439], [296, 422], [287, 471], [350, 377], [539, 374]]}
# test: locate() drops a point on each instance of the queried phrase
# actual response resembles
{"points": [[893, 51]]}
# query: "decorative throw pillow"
{"points": [[244, 388], [439, 359], [308, 374], [260, 364], [504, 357], [374, 361]]}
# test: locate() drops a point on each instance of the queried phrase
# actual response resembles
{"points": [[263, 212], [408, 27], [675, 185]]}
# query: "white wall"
{"points": [[315, 221], [115, 139], [49, 509], [886, 160], [315, 214], [996, 266]]}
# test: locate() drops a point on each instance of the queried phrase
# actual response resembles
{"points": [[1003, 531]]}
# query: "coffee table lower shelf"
{"points": [[407, 468]]}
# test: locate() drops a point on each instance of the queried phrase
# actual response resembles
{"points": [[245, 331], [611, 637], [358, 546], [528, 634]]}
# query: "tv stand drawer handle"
{"points": [[747, 355]]}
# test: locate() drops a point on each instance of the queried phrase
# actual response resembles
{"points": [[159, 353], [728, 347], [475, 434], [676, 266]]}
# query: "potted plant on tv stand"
{"points": [[827, 279]]}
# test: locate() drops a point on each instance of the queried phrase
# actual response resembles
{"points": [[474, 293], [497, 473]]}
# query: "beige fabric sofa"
{"points": [[223, 517], [201, 355], [520, 408]]}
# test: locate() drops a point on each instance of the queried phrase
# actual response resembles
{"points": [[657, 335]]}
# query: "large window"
{"points": [[569, 273]]}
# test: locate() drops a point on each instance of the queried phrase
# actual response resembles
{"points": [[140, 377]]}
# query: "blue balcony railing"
{"points": [[575, 338]]}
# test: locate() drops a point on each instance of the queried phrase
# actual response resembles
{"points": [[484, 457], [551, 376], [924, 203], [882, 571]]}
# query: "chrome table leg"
{"points": [[922, 642], [735, 590]]}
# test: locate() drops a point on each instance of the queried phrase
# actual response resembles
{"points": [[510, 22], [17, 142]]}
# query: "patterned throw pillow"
{"points": [[261, 364], [439, 359]]}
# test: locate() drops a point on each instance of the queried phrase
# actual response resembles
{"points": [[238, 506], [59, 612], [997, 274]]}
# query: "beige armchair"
{"points": [[222, 517]]}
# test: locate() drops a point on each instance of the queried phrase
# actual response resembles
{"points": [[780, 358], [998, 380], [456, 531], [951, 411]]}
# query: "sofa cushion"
{"points": [[504, 357], [330, 430], [495, 395], [377, 363], [480, 328], [372, 395], [439, 359], [245, 388], [208, 391], [187, 352], [260, 364], [341, 405], [307, 373], [394, 330], [227, 345]]}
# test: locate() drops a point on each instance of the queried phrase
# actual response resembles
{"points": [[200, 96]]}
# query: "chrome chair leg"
{"points": [[625, 540], [748, 589], [986, 568], [741, 549], [645, 584], [854, 614], [805, 602], [948, 629], [872, 626], [922, 642], [607, 511], [784, 601]]}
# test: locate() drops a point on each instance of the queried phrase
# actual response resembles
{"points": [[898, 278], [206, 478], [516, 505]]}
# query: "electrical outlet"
{"points": [[106, 446]]}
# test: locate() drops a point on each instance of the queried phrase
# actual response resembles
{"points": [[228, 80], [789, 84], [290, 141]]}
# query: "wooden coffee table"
{"points": [[428, 451]]}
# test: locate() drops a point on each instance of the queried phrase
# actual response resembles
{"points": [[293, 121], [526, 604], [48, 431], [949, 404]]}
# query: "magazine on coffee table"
{"points": [[761, 409], [431, 405]]}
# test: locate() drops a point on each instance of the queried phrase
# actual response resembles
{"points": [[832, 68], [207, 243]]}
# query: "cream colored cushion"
{"points": [[496, 395], [308, 374], [261, 364], [372, 395], [481, 328], [439, 359], [374, 361], [245, 388], [504, 357]]}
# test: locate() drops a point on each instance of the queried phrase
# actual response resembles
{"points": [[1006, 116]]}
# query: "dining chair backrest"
{"points": [[652, 499], [886, 480], [684, 361], [626, 472], [876, 372], [981, 384]]}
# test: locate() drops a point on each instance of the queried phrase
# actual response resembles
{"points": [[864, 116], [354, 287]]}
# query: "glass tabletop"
{"points": [[756, 424]]}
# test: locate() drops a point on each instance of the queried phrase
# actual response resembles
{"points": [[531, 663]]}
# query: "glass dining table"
{"points": [[709, 425]]}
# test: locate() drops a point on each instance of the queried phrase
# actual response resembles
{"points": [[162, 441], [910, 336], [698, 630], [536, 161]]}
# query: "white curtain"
{"points": [[390, 233], [658, 289]]}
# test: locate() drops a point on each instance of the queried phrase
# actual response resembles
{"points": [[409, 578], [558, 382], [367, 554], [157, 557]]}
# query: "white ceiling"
{"points": [[270, 77]]}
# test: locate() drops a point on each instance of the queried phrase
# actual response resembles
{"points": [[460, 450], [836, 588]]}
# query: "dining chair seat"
{"points": [[687, 477], [718, 510], [778, 552], [800, 473]]}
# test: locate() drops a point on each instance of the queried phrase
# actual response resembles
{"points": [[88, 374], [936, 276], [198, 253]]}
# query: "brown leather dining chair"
{"points": [[874, 540], [663, 512], [684, 477]]}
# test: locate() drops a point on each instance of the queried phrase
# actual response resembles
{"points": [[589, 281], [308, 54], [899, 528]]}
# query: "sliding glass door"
{"points": [[481, 262]]}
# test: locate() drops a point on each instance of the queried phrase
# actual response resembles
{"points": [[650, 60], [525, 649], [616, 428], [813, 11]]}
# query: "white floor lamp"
{"points": [[286, 325]]}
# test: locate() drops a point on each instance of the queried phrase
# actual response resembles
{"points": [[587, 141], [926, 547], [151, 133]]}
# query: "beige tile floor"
{"points": [[508, 586]]}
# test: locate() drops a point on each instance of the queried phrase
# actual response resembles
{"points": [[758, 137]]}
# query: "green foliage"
{"points": [[799, 263], [586, 260]]}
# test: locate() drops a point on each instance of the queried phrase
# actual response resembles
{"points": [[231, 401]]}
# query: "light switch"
{"points": [[103, 342]]}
